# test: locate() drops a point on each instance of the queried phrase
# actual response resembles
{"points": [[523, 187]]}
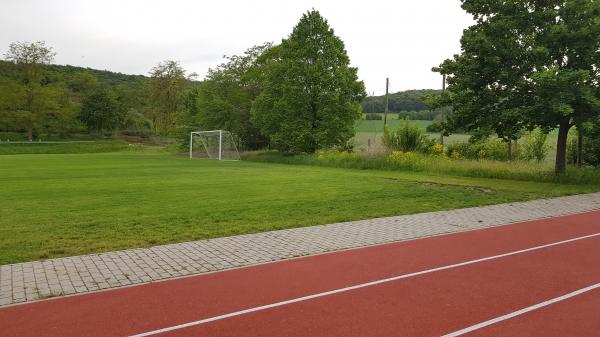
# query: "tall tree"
{"points": [[311, 95], [30, 59], [224, 99], [100, 111], [167, 84], [527, 64]]}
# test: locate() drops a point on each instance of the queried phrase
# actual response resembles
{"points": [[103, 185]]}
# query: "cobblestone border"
{"points": [[30, 281]]}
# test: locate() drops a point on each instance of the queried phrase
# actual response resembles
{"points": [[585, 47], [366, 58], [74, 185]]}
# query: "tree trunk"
{"points": [[313, 142], [30, 133], [579, 147], [509, 144], [561, 147]]}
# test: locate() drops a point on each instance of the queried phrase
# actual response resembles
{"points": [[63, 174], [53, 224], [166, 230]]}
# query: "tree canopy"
{"points": [[100, 111], [311, 96], [58, 93], [402, 101], [527, 64], [224, 99], [168, 81]]}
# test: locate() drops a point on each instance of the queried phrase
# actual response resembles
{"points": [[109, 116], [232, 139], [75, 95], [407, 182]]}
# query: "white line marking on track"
{"points": [[522, 311], [358, 286]]}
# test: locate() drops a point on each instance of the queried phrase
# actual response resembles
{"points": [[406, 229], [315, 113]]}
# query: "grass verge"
{"points": [[439, 165]]}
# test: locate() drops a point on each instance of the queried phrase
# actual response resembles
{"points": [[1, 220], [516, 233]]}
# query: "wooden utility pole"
{"points": [[372, 102], [387, 89], [443, 90], [579, 146]]}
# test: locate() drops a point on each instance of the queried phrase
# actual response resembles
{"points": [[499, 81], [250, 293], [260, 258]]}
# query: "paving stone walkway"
{"points": [[79, 274]]}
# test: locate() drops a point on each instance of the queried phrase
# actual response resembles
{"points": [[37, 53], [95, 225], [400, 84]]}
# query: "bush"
{"points": [[591, 146], [373, 117], [484, 149], [142, 133], [434, 127], [136, 121], [427, 115], [407, 138], [13, 136], [535, 145]]}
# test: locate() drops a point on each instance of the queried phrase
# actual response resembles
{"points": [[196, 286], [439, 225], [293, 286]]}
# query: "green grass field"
{"points": [[63, 147], [68, 204], [377, 126]]}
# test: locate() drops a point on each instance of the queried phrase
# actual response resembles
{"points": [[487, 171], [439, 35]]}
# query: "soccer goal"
{"points": [[215, 144]]}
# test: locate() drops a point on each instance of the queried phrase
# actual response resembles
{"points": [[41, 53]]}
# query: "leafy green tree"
{"points": [[409, 100], [311, 96], [224, 99], [527, 64], [535, 145], [30, 59], [83, 82], [166, 87], [99, 111]]}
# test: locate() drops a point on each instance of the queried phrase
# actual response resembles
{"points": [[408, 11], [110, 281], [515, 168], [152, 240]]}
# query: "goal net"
{"points": [[215, 144]]}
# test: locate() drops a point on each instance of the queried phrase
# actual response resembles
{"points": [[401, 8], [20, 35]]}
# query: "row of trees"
{"points": [[298, 96], [44, 100], [402, 101], [526, 65]]}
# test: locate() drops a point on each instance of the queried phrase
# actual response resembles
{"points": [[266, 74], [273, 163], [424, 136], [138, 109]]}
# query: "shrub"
{"points": [[373, 117], [535, 146], [407, 138], [591, 146], [437, 149], [481, 149], [434, 127]]}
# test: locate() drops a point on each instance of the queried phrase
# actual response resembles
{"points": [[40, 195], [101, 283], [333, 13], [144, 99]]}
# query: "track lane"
{"points": [[428, 305], [152, 306], [577, 316]]}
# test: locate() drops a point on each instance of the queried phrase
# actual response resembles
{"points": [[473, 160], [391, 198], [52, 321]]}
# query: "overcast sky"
{"points": [[399, 39]]}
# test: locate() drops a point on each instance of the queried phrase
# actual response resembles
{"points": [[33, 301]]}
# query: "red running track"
{"points": [[430, 304]]}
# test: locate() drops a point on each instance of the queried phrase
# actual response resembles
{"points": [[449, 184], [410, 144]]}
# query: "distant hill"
{"points": [[409, 100], [63, 89], [68, 72]]}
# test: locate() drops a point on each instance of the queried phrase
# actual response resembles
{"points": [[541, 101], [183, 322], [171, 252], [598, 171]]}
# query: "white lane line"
{"points": [[358, 286], [522, 311]]}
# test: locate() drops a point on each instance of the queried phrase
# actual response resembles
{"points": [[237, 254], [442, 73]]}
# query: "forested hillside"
{"points": [[410, 100], [49, 106], [259, 96]]}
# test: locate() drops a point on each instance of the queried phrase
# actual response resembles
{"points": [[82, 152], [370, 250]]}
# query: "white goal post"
{"points": [[214, 144]]}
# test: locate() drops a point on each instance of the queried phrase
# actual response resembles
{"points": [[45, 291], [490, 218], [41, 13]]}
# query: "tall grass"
{"points": [[436, 164], [407, 137]]}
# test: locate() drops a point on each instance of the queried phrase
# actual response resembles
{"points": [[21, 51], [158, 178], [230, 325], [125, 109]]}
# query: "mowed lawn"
{"points": [[61, 204]]}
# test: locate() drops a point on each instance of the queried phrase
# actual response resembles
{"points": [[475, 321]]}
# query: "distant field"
{"points": [[67, 204], [369, 133], [377, 126]]}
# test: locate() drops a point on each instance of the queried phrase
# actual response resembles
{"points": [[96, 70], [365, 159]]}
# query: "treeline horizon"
{"points": [[130, 91], [401, 101], [290, 96]]}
